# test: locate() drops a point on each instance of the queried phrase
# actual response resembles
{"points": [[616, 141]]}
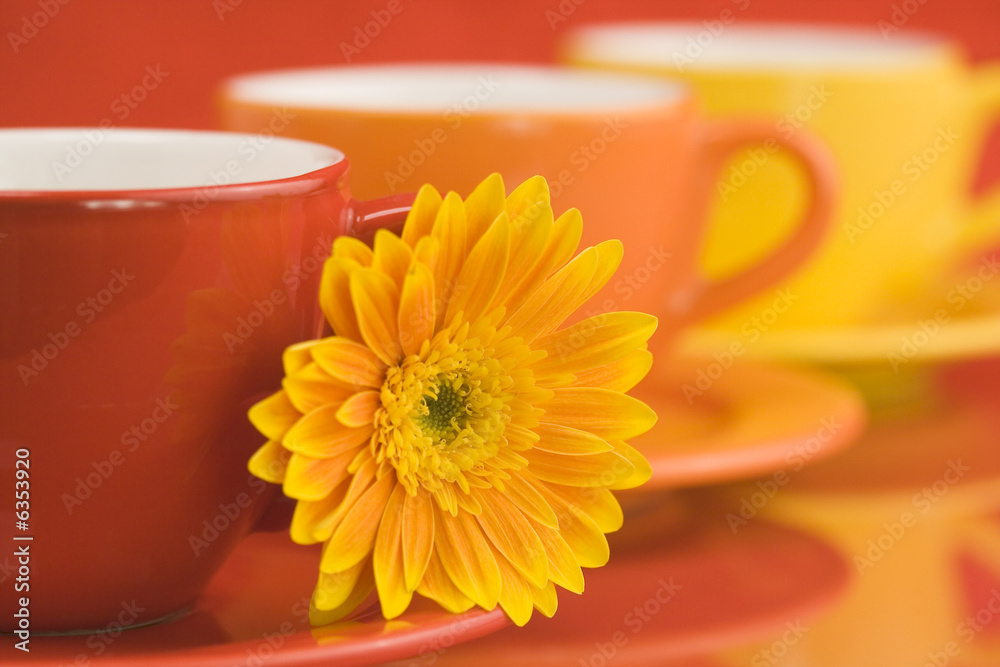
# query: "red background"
{"points": [[92, 51]]}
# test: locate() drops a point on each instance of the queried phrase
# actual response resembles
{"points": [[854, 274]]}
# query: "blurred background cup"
{"points": [[151, 281], [905, 116], [632, 153]]}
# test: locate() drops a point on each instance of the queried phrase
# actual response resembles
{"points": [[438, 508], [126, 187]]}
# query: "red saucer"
{"points": [[255, 613], [690, 590]]}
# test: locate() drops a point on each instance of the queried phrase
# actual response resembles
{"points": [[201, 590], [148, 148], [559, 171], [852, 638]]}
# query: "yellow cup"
{"points": [[905, 116]]}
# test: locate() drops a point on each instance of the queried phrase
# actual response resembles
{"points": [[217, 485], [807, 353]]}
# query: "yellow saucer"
{"points": [[957, 317]]}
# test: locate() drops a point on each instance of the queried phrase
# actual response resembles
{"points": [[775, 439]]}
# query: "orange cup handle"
{"points": [[704, 298], [364, 218]]}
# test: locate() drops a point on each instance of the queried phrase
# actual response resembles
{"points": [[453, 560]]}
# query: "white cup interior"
{"points": [[465, 89], [95, 159], [714, 44]]}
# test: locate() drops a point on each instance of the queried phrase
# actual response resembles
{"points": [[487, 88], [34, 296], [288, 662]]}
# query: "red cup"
{"points": [[151, 280]]}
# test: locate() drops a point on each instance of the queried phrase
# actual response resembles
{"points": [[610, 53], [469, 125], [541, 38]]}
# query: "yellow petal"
{"points": [[297, 356], [359, 409], [309, 478], [391, 256], [321, 436], [596, 341], [270, 462], [420, 219], [349, 247], [417, 309], [363, 477], [418, 537], [515, 595], [335, 298], [438, 586], [511, 534], [604, 413], [605, 469], [311, 387], [482, 207], [580, 532], [621, 376], [350, 362], [449, 231], [355, 536], [466, 557], [480, 277], [564, 569], [559, 439], [310, 514], [362, 589], [274, 415], [376, 306], [520, 438], [599, 504], [559, 249], [642, 470], [333, 590], [545, 599], [610, 255], [529, 500], [555, 300], [387, 559]]}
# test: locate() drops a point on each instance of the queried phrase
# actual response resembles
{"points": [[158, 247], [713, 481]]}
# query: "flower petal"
{"points": [[388, 558], [274, 415], [449, 231], [579, 531], [320, 434], [270, 462], [604, 413], [350, 362], [511, 534], [335, 298], [438, 586], [596, 341], [362, 589], [309, 514], [349, 247], [418, 537], [545, 599], [482, 208], [564, 569], [420, 219], [376, 306], [311, 387], [515, 594], [333, 589], [359, 409], [391, 256], [297, 356], [555, 299], [599, 504], [310, 478], [643, 471], [604, 469], [416, 308], [559, 249], [354, 538], [467, 558], [529, 501], [480, 277], [623, 375], [560, 439]]}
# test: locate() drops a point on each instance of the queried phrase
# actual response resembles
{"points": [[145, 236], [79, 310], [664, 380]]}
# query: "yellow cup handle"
{"points": [[983, 225]]}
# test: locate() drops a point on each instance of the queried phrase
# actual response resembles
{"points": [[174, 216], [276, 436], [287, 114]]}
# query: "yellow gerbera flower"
{"points": [[449, 440]]}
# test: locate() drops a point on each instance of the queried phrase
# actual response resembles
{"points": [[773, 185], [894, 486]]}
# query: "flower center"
{"points": [[443, 414]]}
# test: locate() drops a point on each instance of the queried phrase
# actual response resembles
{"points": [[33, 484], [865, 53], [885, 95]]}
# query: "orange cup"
{"points": [[634, 154], [151, 281]]}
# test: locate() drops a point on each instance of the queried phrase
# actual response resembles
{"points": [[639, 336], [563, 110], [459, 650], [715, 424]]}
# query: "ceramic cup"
{"points": [[151, 280], [632, 153], [905, 116]]}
